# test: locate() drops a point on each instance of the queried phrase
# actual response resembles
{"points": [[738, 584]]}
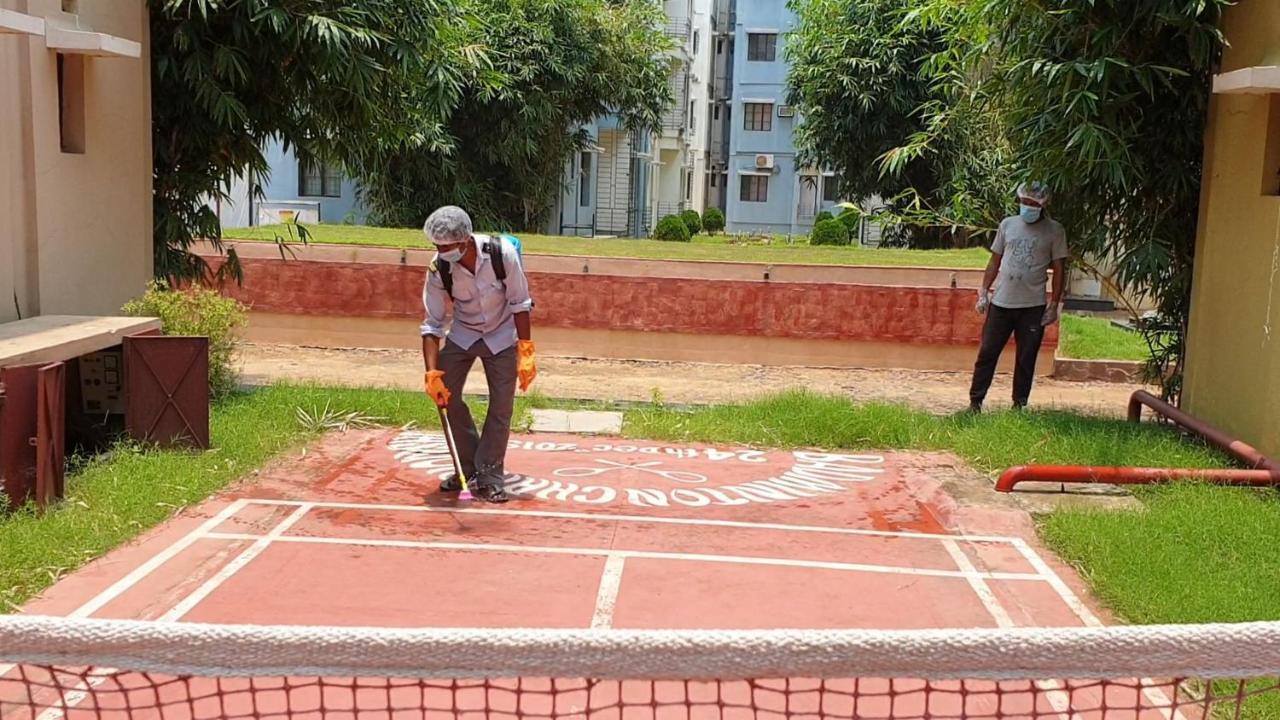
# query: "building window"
{"points": [[584, 181], [830, 188], [693, 105], [688, 186], [757, 116], [715, 112], [720, 46], [71, 128], [713, 179], [695, 42], [317, 180], [755, 188], [762, 47]]}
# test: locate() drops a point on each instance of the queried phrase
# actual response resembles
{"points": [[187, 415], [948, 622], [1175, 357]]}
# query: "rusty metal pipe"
{"points": [[1263, 472], [1083, 474], [1242, 451]]}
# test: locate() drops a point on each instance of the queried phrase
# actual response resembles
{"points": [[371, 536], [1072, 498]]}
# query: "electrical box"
{"points": [[102, 382]]}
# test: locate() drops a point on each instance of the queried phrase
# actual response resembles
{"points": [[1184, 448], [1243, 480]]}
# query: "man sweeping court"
{"points": [[485, 280]]}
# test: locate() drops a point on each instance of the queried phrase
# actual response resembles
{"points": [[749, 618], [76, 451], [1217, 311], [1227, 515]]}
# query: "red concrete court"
{"points": [[604, 533]]}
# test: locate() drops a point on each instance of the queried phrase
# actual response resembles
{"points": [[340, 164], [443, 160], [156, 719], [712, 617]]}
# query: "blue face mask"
{"points": [[1029, 214], [451, 256]]}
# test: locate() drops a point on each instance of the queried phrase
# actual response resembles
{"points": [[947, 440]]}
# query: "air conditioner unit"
{"points": [[764, 162], [786, 111]]}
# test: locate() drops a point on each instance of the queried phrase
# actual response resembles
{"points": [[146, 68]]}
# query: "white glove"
{"points": [[984, 300], [1050, 315]]}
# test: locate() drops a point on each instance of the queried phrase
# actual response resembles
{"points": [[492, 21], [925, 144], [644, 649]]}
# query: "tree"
{"points": [[563, 63], [859, 77], [333, 79], [1104, 100]]}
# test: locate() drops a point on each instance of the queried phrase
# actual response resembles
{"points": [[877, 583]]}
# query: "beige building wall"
{"points": [[75, 227], [1233, 357]]}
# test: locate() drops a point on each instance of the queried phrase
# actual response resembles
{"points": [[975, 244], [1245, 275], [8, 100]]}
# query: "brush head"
{"points": [[465, 495]]}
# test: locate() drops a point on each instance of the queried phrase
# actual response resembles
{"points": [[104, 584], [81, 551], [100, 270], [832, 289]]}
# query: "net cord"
{"points": [[1244, 650]]}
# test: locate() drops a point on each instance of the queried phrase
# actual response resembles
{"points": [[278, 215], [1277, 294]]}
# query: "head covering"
{"points": [[448, 225], [1034, 190]]}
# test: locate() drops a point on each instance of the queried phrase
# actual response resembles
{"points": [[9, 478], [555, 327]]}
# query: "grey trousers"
{"points": [[482, 454]]}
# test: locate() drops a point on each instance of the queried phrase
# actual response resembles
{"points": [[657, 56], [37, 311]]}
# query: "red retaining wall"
{"points": [[818, 311]]}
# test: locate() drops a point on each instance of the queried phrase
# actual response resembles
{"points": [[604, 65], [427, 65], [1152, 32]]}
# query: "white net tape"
{"points": [[1206, 652]]}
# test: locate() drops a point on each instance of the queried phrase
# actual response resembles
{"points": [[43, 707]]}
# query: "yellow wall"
{"points": [[75, 229], [1233, 358]]}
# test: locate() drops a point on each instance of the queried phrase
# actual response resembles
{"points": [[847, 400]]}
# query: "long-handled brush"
{"points": [[465, 494]]}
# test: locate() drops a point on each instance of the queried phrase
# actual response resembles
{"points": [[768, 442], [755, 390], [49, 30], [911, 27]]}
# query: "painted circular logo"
{"points": [[647, 475]]}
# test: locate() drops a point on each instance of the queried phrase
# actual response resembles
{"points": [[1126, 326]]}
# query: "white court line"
{"points": [[607, 597], [154, 562], [195, 598], [1059, 585], [629, 554], [979, 585], [659, 520], [73, 697], [1082, 611], [121, 586], [1054, 692]]}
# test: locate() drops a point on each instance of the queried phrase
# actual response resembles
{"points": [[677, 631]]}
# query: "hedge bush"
{"points": [[672, 229]]}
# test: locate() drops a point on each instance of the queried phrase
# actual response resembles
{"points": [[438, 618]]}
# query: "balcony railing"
{"points": [[677, 28]]}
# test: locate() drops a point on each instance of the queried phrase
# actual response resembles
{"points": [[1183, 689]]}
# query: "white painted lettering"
{"points": [[788, 487], [692, 498], [607, 495], [526, 485], [759, 492], [557, 490], [723, 499], [646, 497]]}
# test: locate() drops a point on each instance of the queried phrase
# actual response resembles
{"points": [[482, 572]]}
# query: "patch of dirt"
{"points": [[678, 382]]}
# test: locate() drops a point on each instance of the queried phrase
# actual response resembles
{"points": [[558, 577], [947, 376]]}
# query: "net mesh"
{"points": [[111, 669]]}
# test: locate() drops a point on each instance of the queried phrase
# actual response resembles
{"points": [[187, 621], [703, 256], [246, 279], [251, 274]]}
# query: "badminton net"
{"points": [[52, 668]]}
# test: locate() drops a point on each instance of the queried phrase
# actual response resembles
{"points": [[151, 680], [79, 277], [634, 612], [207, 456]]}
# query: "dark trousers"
{"points": [[1024, 325], [482, 454]]}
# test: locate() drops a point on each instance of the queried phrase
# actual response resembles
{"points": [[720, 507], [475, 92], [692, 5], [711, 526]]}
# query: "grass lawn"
{"points": [[704, 247], [1091, 338]]}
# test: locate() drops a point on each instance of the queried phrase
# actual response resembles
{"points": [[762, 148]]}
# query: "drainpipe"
{"points": [[1263, 472]]}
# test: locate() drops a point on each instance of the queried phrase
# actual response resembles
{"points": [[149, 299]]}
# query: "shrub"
{"points": [[824, 215], [713, 220], [203, 312], [829, 232], [692, 220], [851, 219], [672, 229]]}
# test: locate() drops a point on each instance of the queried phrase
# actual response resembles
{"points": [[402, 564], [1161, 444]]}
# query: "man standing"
{"points": [[1026, 246], [491, 304]]}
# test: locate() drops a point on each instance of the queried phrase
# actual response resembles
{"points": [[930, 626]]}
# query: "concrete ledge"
{"points": [[375, 332], [1115, 371], [883, 275]]}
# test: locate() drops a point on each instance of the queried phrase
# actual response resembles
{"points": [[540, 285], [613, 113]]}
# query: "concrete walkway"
{"points": [[680, 383]]}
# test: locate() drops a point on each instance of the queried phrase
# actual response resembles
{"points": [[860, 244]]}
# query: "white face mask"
{"points": [[451, 256], [1029, 214]]}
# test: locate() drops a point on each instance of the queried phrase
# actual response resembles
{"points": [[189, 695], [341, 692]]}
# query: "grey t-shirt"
{"points": [[1028, 250]]}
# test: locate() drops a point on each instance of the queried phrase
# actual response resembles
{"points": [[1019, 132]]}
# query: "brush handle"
{"points": [[453, 453]]}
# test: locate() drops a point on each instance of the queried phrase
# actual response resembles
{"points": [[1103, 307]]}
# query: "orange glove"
{"points": [[436, 389], [524, 364]]}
